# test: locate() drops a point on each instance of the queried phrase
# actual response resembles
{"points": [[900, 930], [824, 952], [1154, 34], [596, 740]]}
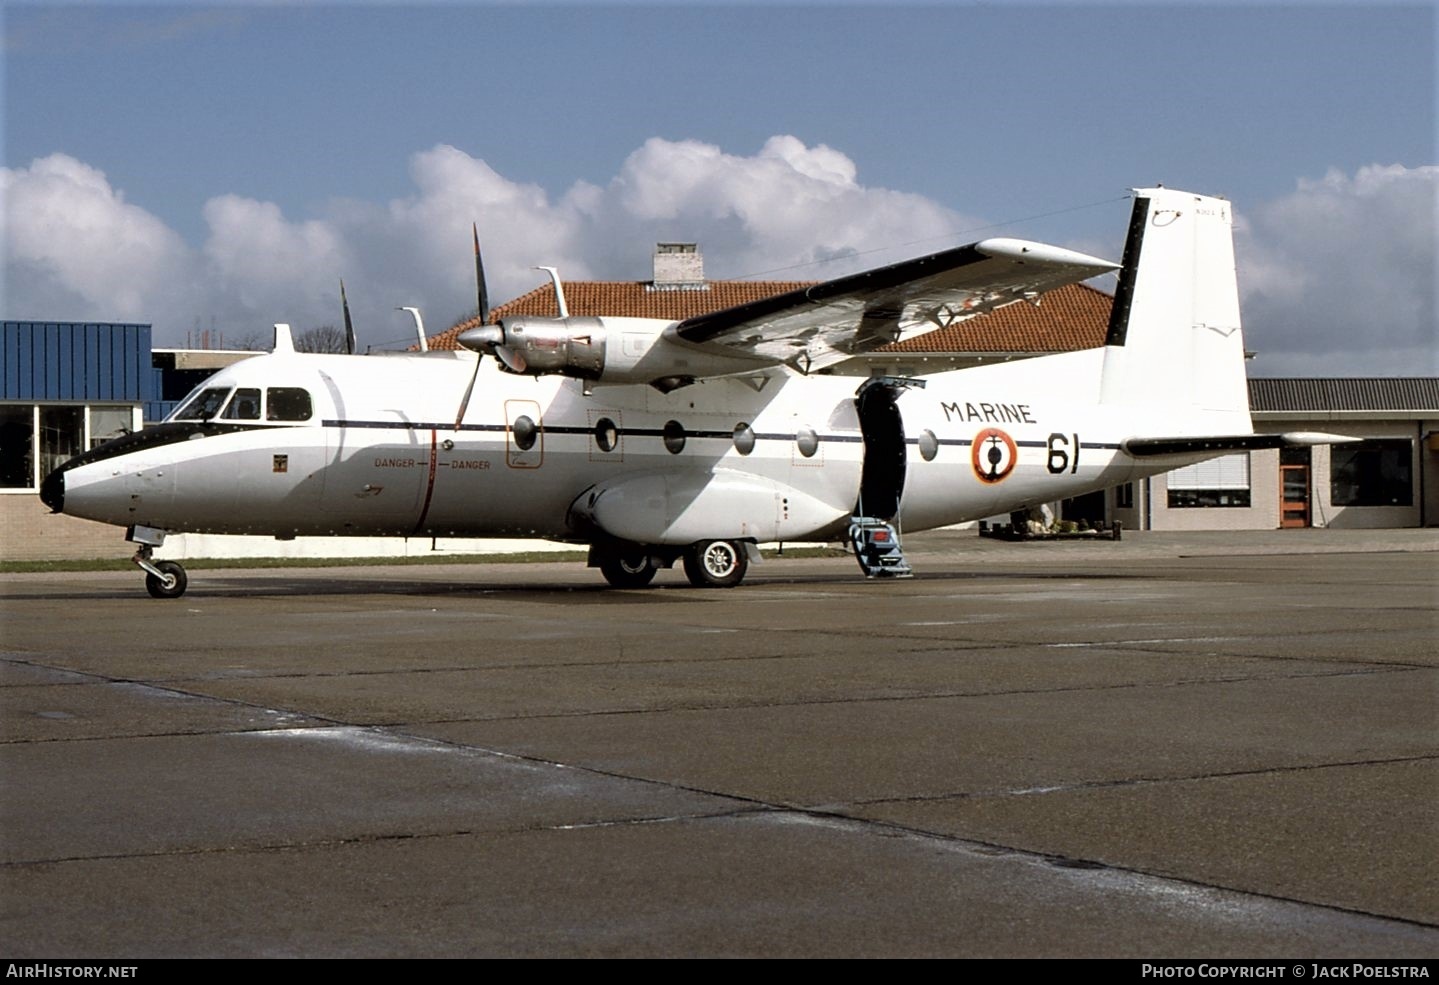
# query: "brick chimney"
{"points": [[679, 267]]}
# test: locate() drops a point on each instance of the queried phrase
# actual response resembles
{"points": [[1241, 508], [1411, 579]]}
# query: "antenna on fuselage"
{"points": [[284, 342], [349, 325], [559, 291], [419, 327]]}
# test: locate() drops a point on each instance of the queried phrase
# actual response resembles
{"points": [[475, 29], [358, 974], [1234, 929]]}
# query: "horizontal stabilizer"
{"points": [[1151, 447]]}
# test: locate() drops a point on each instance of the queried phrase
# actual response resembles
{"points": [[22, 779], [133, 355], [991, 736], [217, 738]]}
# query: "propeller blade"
{"points": [[482, 294], [465, 400], [349, 325], [513, 359]]}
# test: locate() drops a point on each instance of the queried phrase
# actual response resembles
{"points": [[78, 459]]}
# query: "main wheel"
{"points": [[628, 569], [172, 586], [716, 564]]}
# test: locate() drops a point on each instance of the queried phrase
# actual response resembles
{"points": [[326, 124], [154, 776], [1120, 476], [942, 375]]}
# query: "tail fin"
{"points": [[1174, 335]]}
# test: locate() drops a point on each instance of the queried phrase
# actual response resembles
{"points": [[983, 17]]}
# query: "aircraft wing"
{"points": [[827, 323]]}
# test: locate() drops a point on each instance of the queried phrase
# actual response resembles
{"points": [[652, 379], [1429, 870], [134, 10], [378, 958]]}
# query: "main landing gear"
{"points": [[628, 568], [163, 579], [707, 564], [716, 564]]}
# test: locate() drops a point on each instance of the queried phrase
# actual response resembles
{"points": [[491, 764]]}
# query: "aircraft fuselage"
{"points": [[380, 454]]}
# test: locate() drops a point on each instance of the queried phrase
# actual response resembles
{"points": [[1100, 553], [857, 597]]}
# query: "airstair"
{"points": [[877, 548]]}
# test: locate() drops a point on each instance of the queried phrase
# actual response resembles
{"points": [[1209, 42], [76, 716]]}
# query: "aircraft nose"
{"points": [[52, 491]]}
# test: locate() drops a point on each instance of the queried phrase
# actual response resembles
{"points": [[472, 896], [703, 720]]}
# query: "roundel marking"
{"points": [[993, 455]]}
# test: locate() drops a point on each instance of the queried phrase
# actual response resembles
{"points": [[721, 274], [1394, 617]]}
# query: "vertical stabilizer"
{"points": [[1174, 337]]}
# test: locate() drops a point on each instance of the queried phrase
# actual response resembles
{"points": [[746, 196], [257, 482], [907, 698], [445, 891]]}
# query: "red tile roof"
{"points": [[1070, 318]]}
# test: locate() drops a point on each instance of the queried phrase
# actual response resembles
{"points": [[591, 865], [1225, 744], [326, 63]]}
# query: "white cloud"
{"points": [[1338, 278], [76, 249]]}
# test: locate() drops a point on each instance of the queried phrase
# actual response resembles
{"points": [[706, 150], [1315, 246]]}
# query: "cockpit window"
{"points": [[287, 403], [202, 406], [245, 405]]}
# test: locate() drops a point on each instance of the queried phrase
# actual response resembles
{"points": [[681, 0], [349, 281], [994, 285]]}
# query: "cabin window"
{"points": [[808, 442], [674, 435], [928, 445], [1371, 473], [525, 433], [743, 438], [1219, 482], [607, 436], [203, 405], [244, 405], [288, 403]]}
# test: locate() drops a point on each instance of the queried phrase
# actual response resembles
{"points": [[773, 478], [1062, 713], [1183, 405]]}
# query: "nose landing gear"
{"points": [[163, 579]]}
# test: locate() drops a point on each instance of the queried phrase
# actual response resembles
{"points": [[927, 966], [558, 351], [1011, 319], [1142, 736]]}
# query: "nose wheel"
{"points": [[163, 579]]}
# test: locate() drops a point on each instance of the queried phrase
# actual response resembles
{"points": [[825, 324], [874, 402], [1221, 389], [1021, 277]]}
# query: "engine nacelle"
{"points": [[602, 350], [676, 509], [541, 346]]}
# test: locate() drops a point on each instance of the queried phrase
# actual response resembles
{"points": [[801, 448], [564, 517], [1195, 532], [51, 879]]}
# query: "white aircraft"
{"points": [[655, 441]]}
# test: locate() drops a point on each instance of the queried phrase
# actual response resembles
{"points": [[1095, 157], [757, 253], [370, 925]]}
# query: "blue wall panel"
{"points": [[65, 363], [92, 358], [11, 357], [104, 382], [44, 361], [51, 388]]}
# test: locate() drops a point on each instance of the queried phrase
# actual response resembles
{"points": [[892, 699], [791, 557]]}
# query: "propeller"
{"points": [[482, 306], [349, 325], [482, 295]]}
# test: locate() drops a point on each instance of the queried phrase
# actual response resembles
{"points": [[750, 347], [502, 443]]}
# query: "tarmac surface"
{"points": [[1206, 745]]}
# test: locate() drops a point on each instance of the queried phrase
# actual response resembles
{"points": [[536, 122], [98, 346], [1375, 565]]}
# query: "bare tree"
{"points": [[253, 342], [321, 338]]}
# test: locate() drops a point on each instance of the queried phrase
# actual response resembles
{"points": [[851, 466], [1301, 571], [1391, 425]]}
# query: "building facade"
{"points": [[1388, 477], [64, 388]]}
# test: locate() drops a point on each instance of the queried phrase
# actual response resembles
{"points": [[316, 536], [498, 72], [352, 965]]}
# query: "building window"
{"points": [[107, 423], [36, 440], [1372, 473], [1124, 496], [1218, 482], [62, 436], [17, 447]]}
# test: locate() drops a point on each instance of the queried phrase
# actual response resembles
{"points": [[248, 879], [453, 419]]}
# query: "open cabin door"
{"points": [[882, 479], [873, 532]]}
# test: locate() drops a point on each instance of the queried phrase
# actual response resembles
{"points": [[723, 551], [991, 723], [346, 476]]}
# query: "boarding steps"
{"points": [[877, 548]]}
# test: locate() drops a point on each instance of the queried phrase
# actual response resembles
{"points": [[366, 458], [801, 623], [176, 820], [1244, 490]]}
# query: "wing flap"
{"points": [[829, 322]]}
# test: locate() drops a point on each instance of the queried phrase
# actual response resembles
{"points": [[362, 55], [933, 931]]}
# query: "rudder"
{"points": [[1174, 335]]}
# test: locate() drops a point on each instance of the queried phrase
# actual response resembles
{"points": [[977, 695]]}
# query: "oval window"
{"points": [[808, 442], [743, 438], [525, 432], [674, 435], [607, 436], [928, 445]]}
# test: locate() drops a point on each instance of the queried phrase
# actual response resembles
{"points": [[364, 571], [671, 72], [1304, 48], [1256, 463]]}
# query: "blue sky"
{"points": [[346, 140]]}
